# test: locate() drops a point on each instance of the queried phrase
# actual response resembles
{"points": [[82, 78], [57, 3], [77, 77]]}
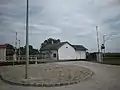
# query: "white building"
{"points": [[63, 51], [2, 52]]}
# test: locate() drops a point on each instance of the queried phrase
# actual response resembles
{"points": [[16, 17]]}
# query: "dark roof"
{"points": [[79, 47], [2, 46], [52, 46], [57, 46]]}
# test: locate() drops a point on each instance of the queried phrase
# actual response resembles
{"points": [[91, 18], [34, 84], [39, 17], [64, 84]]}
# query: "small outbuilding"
{"points": [[63, 51]]}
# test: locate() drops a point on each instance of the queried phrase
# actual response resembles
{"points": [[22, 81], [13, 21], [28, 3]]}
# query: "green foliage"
{"points": [[112, 58], [32, 51], [9, 50], [50, 41], [112, 61], [112, 55]]}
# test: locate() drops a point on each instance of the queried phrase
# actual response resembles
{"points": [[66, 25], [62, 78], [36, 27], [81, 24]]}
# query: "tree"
{"points": [[22, 50], [10, 50], [50, 41], [32, 51]]}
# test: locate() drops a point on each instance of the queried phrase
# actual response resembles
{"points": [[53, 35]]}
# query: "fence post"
{"points": [[13, 59], [35, 60]]}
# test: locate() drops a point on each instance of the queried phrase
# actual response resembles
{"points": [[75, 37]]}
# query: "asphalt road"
{"points": [[106, 77]]}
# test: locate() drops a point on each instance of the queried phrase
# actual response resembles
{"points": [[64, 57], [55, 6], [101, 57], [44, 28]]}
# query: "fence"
{"points": [[23, 58]]}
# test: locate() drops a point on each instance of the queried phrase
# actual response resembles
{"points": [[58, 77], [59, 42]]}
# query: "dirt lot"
{"points": [[106, 77], [45, 75]]}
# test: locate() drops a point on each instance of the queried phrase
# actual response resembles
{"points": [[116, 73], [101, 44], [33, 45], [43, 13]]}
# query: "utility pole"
{"points": [[19, 49], [16, 47], [104, 40], [104, 43], [27, 41], [97, 39], [98, 55]]}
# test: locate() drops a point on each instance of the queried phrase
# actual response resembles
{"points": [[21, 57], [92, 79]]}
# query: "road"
{"points": [[106, 77]]}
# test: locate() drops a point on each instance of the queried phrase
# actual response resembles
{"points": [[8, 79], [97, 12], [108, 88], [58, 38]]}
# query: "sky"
{"points": [[74, 21]]}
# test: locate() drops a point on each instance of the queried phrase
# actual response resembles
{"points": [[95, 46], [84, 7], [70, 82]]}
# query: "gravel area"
{"points": [[106, 77], [45, 74]]}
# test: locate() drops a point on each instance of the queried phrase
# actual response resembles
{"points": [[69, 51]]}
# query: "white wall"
{"points": [[2, 53], [83, 54], [66, 52], [80, 54]]}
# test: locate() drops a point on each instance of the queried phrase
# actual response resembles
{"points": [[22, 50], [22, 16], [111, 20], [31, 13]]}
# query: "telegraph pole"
{"points": [[27, 42], [105, 39], [97, 39], [16, 47], [98, 55], [19, 49], [104, 43]]}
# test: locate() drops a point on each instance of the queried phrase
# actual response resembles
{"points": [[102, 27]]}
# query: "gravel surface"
{"points": [[106, 77], [46, 74]]}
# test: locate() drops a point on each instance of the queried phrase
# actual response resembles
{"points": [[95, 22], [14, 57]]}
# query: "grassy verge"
{"points": [[112, 58], [112, 62]]}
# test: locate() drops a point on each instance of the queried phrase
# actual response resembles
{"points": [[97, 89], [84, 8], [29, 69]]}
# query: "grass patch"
{"points": [[112, 55], [112, 62], [112, 58]]}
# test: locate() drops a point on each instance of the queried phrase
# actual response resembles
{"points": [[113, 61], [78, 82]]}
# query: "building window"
{"points": [[54, 55]]}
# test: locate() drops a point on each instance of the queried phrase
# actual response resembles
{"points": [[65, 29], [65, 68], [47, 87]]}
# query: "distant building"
{"points": [[2, 52], [63, 51]]}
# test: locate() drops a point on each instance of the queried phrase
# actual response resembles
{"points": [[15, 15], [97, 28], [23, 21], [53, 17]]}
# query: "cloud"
{"points": [[44, 28], [72, 20]]}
